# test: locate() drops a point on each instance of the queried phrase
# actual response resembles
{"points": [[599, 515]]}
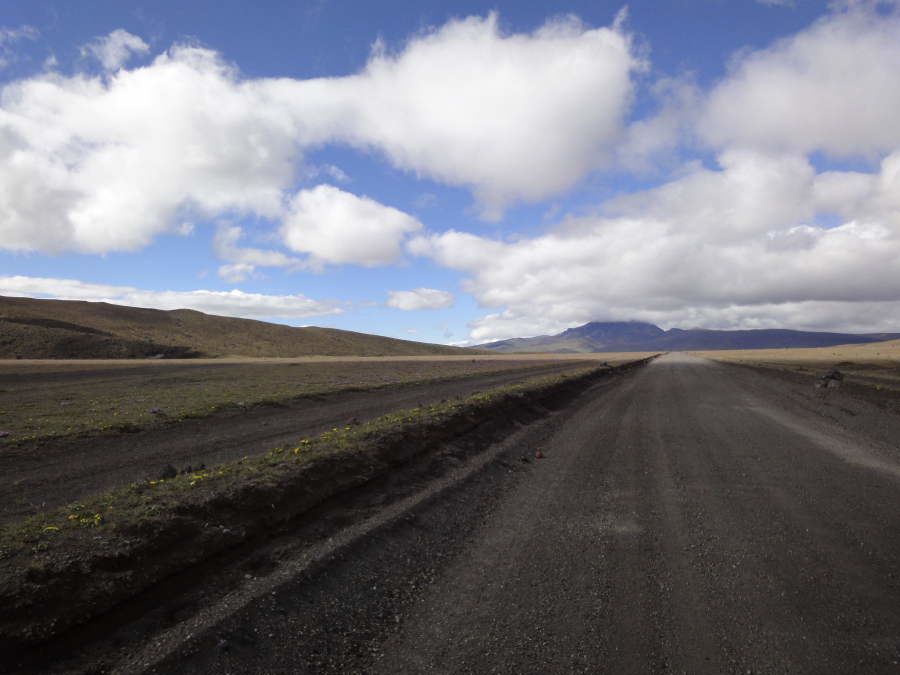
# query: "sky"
{"points": [[457, 172]]}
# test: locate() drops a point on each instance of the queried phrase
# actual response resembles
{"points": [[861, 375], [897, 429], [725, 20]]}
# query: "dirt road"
{"points": [[55, 471], [695, 518]]}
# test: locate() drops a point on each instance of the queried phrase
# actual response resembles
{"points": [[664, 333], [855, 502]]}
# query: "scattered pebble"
{"points": [[830, 379]]}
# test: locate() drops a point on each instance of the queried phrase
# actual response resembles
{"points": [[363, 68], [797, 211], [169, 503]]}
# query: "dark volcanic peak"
{"points": [[624, 336], [615, 331]]}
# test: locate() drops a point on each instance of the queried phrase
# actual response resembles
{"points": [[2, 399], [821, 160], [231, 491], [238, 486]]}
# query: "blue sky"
{"points": [[457, 172]]}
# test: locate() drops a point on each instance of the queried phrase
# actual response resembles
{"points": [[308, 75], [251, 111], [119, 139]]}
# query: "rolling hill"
{"points": [[64, 329], [639, 336]]}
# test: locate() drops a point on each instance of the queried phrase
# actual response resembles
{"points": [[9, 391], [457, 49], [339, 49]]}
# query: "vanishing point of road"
{"points": [[692, 517]]}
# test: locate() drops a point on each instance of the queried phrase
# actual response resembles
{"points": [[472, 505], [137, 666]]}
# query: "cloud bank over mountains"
{"points": [[779, 201]]}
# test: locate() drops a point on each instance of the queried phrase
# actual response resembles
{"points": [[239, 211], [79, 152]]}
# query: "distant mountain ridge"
{"points": [[66, 329], [637, 336]]}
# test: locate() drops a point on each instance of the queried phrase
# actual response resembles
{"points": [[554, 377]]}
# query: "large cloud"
{"points": [[108, 162], [333, 226], [516, 117], [831, 88], [227, 303], [97, 165]]}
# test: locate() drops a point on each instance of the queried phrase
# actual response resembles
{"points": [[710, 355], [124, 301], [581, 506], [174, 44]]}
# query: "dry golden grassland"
{"points": [[42, 398], [876, 364]]}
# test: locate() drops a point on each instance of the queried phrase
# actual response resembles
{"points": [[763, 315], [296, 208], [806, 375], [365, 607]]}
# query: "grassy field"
{"points": [[52, 397], [876, 364]]}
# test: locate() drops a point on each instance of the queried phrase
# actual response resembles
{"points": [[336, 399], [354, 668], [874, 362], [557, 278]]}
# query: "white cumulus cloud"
{"points": [[514, 117], [333, 227], [420, 298], [832, 88], [97, 165]]}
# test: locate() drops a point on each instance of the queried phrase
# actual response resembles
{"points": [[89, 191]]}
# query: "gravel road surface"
{"points": [[694, 518]]}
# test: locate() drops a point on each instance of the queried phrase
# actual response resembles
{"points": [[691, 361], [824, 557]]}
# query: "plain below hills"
{"points": [[626, 336], [65, 329]]}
